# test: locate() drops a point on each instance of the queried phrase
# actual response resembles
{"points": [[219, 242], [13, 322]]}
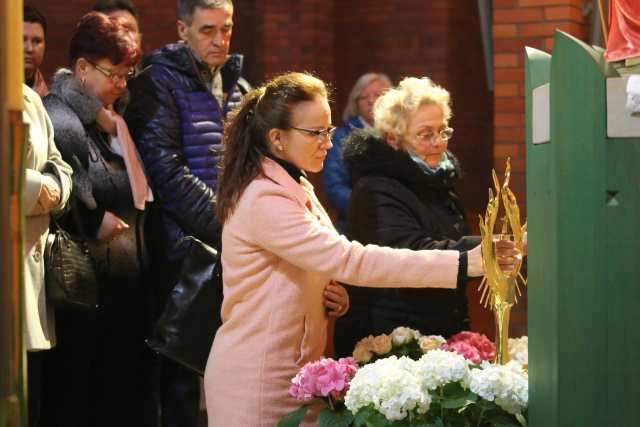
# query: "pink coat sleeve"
{"points": [[291, 232]]}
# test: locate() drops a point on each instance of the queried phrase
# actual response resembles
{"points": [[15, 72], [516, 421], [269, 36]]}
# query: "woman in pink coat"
{"points": [[281, 251]]}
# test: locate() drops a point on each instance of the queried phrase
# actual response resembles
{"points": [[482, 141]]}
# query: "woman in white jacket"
{"points": [[46, 191]]}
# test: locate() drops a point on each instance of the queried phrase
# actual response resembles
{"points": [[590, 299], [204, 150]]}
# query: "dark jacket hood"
{"points": [[178, 57], [367, 153]]}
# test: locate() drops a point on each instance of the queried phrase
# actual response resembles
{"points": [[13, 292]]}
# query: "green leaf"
{"points": [[293, 419], [460, 402], [437, 422], [369, 417], [501, 418], [340, 418], [522, 419]]}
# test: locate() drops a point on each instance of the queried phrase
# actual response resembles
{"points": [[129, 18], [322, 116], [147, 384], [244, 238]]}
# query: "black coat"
{"points": [[395, 203]]}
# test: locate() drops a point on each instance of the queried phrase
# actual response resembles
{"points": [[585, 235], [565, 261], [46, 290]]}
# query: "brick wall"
{"points": [[516, 24]]}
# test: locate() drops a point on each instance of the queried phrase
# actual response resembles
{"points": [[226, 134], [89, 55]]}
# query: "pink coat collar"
{"points": [[277, 174]]}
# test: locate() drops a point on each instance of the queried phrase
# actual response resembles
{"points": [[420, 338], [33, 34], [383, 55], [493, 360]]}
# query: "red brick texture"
{"points": [[516, 24]]}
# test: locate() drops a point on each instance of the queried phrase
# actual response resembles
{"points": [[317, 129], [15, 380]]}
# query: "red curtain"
{"points": [[624, 30]]}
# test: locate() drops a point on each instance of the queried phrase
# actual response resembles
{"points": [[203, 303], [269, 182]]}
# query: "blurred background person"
{"points": [[358, 114], [34, 38], [126, 12], [100, 372], [404, 197], [45, 192]]}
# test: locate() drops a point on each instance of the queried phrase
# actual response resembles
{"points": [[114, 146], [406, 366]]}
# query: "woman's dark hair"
{"points": [[98, 36], [245, 135], [33, 15]]}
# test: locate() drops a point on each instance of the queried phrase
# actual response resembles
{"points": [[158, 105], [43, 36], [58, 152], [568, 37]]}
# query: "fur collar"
{"points": [[66, 87], [367, 153]]}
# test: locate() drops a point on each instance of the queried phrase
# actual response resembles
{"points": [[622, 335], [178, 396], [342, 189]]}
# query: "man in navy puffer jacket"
{"points": [[178, 103]]}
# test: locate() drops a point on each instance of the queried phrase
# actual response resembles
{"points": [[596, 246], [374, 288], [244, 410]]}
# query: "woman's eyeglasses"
{"points": [[113, 76], [445, 135], [319, 134]]}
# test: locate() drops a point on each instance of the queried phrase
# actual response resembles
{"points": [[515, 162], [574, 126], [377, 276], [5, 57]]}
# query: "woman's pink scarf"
{"points": [[137, 178]]}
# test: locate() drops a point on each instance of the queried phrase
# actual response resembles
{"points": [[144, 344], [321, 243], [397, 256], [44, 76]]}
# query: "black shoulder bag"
{"points": [[187, 326]]}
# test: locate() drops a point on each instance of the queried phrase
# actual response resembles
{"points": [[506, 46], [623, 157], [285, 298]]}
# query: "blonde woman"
{"points": [[358, 114], [404, 196]]}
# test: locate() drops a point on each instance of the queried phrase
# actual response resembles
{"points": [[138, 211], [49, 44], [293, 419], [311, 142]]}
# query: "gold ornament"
{"points": [[500, 289]]}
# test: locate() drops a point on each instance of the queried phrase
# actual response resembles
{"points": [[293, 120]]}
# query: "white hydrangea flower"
{"points": [[507, 385], [403, 335], [391, 385], [438, 367], [519, 349]]}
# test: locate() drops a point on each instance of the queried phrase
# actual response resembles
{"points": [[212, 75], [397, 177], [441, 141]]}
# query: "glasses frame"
{"points": [[445, 135], [319, 134], [111, 75]]}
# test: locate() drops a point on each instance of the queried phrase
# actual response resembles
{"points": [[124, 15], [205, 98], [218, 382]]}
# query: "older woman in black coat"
{"points": [[404, 197]]}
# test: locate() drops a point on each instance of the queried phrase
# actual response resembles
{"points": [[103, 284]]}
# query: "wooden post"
{"points": [[13, 407]]}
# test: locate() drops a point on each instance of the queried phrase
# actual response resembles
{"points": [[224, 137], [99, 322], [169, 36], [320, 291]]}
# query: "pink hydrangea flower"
{"points": [[464, 349], [323, 378], [486, 348]]}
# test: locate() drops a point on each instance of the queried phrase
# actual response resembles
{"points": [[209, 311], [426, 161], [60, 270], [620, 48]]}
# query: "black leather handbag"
{"points": [[70, 272], [187, 326]]}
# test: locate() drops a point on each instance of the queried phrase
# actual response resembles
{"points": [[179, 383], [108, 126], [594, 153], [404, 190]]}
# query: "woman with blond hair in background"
{"points": [[404, 196], [280, 252], [358, 114]]}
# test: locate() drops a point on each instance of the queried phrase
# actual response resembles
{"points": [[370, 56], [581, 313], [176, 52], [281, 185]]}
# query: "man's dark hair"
{"points": [[187, 7], [108, 6], [31, 14]]}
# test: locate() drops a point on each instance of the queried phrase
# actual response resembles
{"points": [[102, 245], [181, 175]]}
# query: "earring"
{"points": [[83, 81], [279, 147]]}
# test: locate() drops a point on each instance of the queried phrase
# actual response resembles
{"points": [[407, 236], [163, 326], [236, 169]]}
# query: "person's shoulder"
{"points": [[379, 185], [30, 95], [171, 62]]}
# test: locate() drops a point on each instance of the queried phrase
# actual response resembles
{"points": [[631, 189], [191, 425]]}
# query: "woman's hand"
{"points": [[48, 198], [110, 227], [336, 299], [507, 255]]}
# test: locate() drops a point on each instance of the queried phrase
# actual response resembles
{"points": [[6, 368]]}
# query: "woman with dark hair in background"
{"points": [[280, 252], [100, 371], [404, 197]]}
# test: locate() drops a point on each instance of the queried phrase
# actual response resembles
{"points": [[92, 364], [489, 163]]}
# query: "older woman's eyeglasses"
{"points": [[319, 134], [113, 76], [428, 136]]}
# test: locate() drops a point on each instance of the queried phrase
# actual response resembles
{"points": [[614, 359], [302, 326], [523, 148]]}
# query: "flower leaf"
{"points": [[340, 418], [369, 417], [293, 418]]}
